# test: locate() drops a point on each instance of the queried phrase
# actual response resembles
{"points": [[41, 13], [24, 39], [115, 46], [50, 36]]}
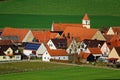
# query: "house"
{"points": [[114, 54], [114, 30], [17, 34], [59, 54], [9, 51], [34, 49], [57, 43], [96, 52], [82, 33], [44, 36], [62, 26], [85, 57]]}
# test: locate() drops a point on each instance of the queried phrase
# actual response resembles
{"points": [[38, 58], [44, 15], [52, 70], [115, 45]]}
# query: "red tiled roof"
{"points": [[79, 33], [63, 26], [58, 52], [20, 33], [115, 41], [95, 51], [44, 36], [86, 17]]}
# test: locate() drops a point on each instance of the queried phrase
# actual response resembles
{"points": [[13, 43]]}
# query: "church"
{"points": [[62, 26]]}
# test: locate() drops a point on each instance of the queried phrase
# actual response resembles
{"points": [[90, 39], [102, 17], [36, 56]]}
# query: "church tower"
{"points": [[86, 21]]}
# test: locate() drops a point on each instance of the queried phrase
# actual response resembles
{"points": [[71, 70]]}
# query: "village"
{"points": [[65, 42]]}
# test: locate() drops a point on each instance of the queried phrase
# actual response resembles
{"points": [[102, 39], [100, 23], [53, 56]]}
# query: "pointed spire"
{"points": [[86, 17]]}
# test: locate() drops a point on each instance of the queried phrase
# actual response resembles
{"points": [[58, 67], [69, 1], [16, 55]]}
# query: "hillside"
{"points": [[42, 13], [61, 7]]}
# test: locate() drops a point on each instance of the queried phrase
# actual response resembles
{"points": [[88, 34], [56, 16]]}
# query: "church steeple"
{"points": [[86, 21]]}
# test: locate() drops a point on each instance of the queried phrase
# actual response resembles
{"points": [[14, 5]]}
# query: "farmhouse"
{"points": [[59, 54], [34, 49], [9, 51]]}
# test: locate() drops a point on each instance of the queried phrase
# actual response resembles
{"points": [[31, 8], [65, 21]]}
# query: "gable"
{"points": [[28, 37], [51, 45], [9, 51], [98, 35], [113, 54], [110, 31]]}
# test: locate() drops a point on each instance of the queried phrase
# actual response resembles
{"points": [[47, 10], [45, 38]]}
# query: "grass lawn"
{"points": [[61, 72], [45, 21]]}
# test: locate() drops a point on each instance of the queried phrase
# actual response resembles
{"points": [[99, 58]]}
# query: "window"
{"points": [[46, 52], [86, 22], [4, 57], [48, 57], [50, 45], [44, 57], [63, 57]]}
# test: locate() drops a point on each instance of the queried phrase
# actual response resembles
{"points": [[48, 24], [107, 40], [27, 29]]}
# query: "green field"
{"points": [[61, 7], [52, 71], [42, 13], [45, 21]]}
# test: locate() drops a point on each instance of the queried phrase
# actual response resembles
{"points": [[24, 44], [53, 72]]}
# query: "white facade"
{"points": [[105, 50], [46, 57], [7, 58], [51, 45], [73, 47], [86, 23], [41, 50], [27, 52]]}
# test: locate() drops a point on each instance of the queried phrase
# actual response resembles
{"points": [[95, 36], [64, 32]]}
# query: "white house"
{"points": [[34, 48], [60, 54], [9, 51]]}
